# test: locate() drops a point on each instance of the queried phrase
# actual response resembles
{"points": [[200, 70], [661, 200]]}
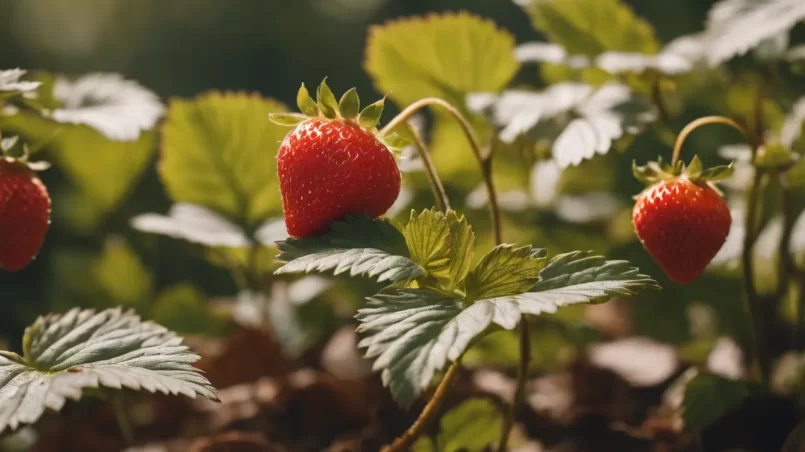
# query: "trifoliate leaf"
{"points": [[370, 116], [792, 127], [623, 62], [195, 224], [287, 119], [446, 56], [326, 100], [305, 103], [358, 245], [472, 426], [209, 149], [736, 26], [505, 271], [442, 244], [413, 333], [591, 27], [350, 104], [10, 81], [64, 354], [709, 397], [119, 109]]}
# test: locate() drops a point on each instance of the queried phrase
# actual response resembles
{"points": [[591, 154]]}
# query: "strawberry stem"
{"points": [[436, 186], [705, 120]]}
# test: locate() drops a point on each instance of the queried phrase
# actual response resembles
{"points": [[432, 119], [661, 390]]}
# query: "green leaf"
{"points": [[350, 104], [326, 100], [446, 56], [709, 397], [795, 177], [505, 271], [413, 333], [209, 149], [104, 171], [122, 275], [305, 103], [441, 244], [287, 119], [370, 116], [65, 354], [358, 245], [395, 142], [181, 307], [695, 168], [472, 426], [195, 224], [591, 27]]}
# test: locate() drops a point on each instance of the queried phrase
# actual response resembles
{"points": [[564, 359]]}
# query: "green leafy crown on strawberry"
{"points": [[658, 171], [347, 109], [6, 148]]}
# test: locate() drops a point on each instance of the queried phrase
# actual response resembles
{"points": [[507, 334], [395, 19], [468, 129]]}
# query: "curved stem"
{"points": [[494, 207], [705, 120], [406, 440], [519, 393], [787, 264], [436, 186]]}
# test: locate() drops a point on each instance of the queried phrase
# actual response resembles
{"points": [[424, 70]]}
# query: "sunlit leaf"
{"points": [[119, 109], [218, 151], [505, 271], [64, 354], [446, 56], [412, 333], [709, 397], [195, 224], [442, 244], [472, 426], [590, 27], [358, 246]]}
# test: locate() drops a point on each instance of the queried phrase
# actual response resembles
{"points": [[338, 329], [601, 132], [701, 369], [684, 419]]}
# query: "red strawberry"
{"points": [[681, 219], [332, 164], [24, 213]]}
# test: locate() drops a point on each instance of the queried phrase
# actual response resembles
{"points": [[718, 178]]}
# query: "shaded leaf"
{"points": [[709, 397], [64, 354], [358, 245], [119, 109], [472, 426], [218, 152], [591, 27], [121, 274], [195, 224], [505, 271], [446, 55]]}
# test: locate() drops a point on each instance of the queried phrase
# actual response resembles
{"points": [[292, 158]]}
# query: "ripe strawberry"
{"points": [[681, 219], [332, 164], [24, 213]]}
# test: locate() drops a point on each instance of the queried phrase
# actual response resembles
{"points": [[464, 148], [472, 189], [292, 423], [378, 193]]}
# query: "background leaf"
{"points": [[709, 397], [64, 354], [590, 27], [472, 426], [445, 56], [195, 224], [219, 152]]}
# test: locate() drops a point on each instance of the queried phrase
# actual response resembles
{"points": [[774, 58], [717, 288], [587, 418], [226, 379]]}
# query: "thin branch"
{"points": [[754, 306], [436, 186], [519, 393], [407, 439], [705, 120]]}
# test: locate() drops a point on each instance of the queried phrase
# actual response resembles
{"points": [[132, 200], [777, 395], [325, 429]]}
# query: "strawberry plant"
{"points": [[582, 231]]}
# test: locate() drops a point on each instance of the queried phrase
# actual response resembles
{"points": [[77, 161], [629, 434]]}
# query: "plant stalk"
{"points": [[406, 440], [123, 421], [519, 393], [436, 186], [754, 303]]}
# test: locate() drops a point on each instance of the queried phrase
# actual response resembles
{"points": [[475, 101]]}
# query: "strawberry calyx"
{"points": [[325, 107], [658, 171], [6, 147]]}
